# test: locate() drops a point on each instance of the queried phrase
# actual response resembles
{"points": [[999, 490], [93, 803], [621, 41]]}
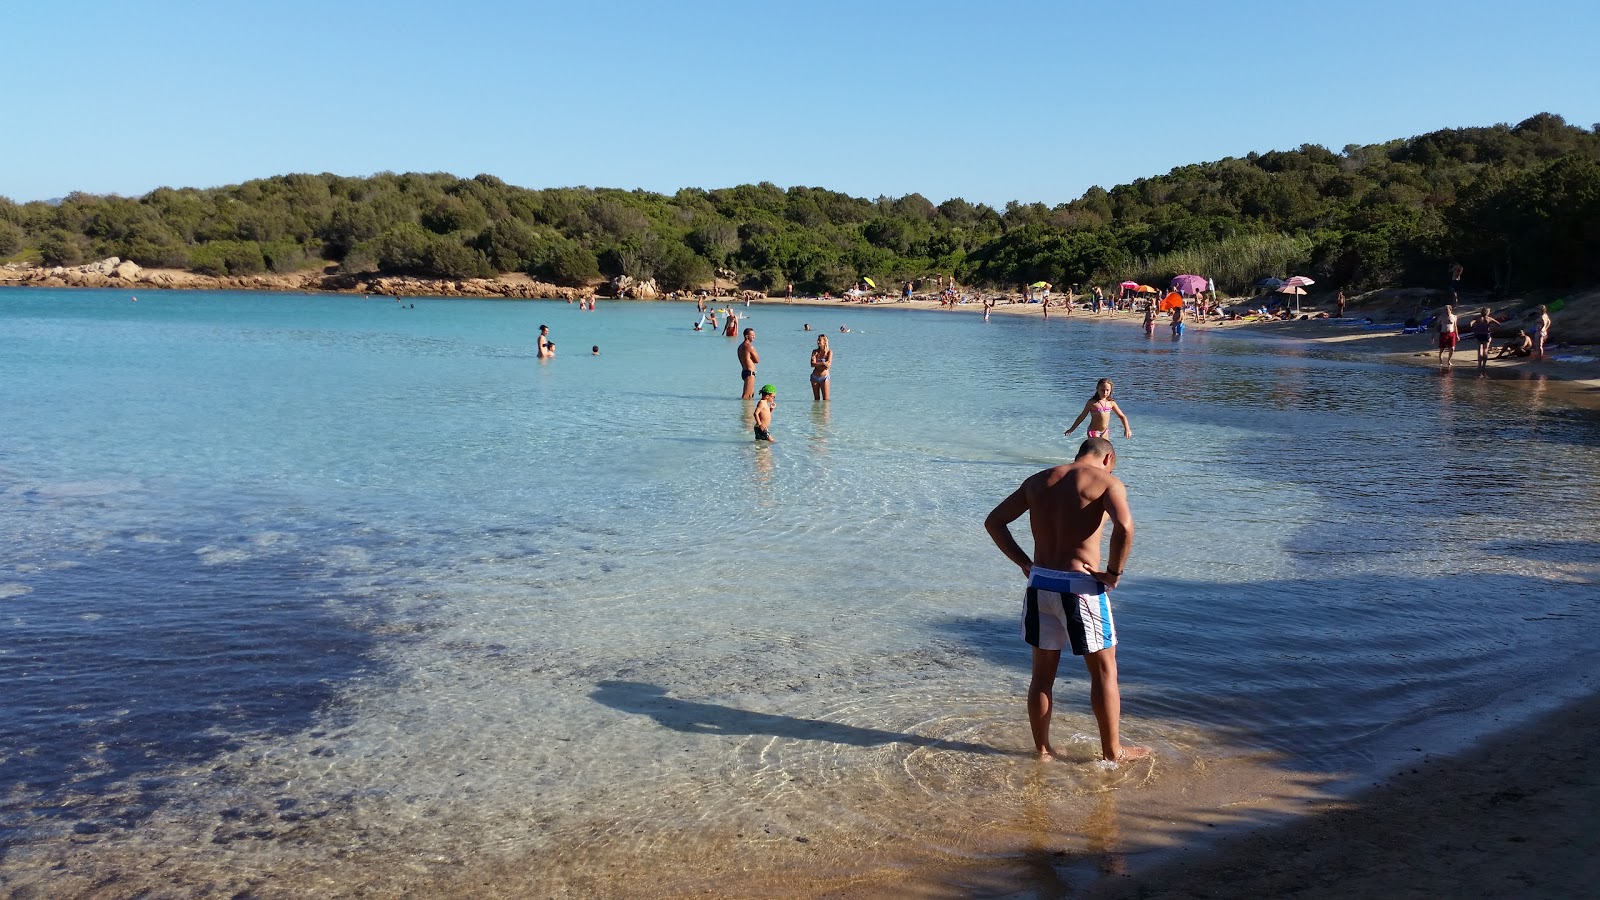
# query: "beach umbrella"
{"points": [[1270, 282], [1294, 289], [1146, 289], [1188, 284], [1300, 281], [869, 281], [1039, 284], [1171, 301], [1130, 285]]}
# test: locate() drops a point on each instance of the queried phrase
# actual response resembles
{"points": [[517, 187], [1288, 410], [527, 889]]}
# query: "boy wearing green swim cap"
{"points": [[763, 414]]}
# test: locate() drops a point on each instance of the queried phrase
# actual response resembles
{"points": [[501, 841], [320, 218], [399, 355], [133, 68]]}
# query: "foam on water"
{"points": [[347, 595]]}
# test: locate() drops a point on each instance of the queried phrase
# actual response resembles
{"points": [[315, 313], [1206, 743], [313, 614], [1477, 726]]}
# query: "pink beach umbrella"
{"points": [[1188, 284], [1299, 281]]}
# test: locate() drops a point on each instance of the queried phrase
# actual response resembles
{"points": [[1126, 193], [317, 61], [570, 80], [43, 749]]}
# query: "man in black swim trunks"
{"points": [[748, 358]]}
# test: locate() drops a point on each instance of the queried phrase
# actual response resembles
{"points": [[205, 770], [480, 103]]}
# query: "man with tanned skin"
{"points": [[748, 358], [1065, 603]]}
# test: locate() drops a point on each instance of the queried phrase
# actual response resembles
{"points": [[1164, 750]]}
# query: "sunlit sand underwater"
{"points": [[334, 596]]}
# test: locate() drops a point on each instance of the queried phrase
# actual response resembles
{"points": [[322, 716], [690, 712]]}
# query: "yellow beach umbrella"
{"points": [[869, 281]]}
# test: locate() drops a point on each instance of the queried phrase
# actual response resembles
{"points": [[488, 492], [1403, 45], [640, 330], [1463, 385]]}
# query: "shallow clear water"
{"points": [[322, 583]]}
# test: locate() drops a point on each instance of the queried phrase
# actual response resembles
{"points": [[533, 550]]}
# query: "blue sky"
{"points": [[987, 101]]}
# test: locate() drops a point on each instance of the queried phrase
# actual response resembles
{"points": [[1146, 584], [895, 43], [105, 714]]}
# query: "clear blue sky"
{"points": [[989, 101]]}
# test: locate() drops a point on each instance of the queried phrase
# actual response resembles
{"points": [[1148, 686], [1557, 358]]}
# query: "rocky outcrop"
{"points": [[113, 272], [631, 288]]}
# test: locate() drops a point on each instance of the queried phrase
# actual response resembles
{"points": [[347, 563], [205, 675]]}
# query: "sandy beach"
{"points": [[1511, 817]]}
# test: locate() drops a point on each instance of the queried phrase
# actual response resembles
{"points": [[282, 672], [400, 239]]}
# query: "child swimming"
{"points": [[1099, 410]]}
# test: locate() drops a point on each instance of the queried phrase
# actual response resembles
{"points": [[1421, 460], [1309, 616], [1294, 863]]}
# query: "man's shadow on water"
{"points": [[693, 717]]}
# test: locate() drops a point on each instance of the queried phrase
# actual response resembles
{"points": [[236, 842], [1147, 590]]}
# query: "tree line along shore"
{"points": [[1516, 206]]}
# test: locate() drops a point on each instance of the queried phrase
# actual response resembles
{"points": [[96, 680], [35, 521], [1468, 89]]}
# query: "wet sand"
{"points": [[1512, 817]]}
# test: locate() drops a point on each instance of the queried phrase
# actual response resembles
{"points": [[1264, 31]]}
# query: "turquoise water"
{"points": [[324, 582]]}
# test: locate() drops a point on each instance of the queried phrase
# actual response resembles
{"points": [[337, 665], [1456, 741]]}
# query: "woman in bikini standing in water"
{"points": [[821, 363], [1099, 411]]}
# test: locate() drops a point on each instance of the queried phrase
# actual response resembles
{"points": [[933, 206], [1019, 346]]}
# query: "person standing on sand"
{"points": [[821, 369], [1065, 603], [544, 342], [1340, 301], [763, 412], [1481, 328], [1449, 334], [1541, 332], [1455, 282], [748, 358]]}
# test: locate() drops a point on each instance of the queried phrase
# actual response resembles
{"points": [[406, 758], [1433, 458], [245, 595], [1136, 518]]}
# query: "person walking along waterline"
{"points": [[748, 358], [1482, 331], [1449, 334], [1065, 603]]}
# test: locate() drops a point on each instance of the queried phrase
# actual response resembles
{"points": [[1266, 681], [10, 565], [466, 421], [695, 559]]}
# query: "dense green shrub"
{"points": [[62, 248], [228, 258], [10, 238], [569, 264]]}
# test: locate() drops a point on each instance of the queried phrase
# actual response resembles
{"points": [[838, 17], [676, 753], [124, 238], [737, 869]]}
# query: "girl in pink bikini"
{"points": [[1099, 411]]}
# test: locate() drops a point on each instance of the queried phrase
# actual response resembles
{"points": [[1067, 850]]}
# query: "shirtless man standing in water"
{"points": [[748, 358], [1065, 603]]}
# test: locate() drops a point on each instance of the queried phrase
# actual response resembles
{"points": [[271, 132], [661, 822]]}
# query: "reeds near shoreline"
{"points": [[1233, 262]]}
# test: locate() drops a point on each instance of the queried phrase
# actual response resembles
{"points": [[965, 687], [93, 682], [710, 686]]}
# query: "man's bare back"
{"points": [[1067, 508]]}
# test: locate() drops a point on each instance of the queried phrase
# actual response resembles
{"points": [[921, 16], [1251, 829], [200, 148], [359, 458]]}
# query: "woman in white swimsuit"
{"points": [[821, 364]]}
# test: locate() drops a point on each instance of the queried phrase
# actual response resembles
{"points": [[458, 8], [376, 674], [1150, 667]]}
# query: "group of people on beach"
{"points": [[1526, 343]]}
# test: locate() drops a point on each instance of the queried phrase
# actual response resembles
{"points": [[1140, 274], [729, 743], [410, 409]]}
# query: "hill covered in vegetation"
{"points": [[1519, 206]]}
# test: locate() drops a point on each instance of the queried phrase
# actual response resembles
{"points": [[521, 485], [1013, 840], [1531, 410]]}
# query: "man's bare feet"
{"points": [[1128, 754], [1046, 753]]}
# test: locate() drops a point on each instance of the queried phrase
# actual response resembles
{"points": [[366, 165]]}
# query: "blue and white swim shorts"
{"points": [[1067, 608]]}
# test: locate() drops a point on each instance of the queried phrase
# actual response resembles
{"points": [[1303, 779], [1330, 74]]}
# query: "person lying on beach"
{"points": [[1099, 410]]}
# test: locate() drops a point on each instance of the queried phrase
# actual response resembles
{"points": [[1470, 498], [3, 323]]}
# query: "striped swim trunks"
{"points": [[1067, 608]]}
